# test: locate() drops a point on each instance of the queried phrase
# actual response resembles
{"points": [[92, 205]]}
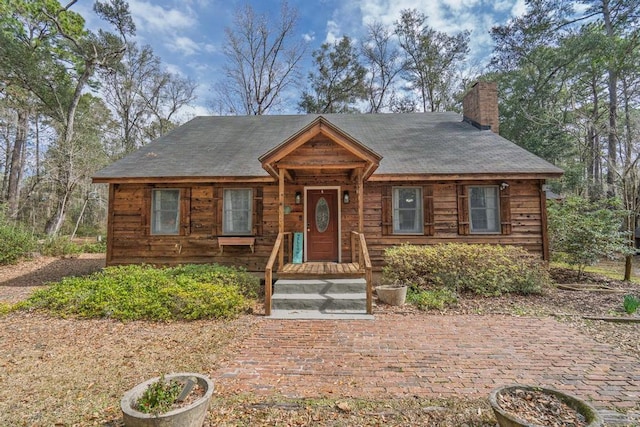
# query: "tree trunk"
{"points": [[66, 184], [17, 164], [613, 106], [54, 224]]}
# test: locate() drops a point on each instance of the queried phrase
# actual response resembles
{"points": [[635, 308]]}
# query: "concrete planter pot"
{"points": [[392, 295], [509, 419], [191, 415]]}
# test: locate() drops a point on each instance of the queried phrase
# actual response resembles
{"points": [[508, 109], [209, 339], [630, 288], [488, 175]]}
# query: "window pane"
{"points": [[237, 211], [407, 210], [484, 210], [165, 214]]}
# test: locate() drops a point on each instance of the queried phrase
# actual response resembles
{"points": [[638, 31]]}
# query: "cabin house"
{"points": [[303, 196]]}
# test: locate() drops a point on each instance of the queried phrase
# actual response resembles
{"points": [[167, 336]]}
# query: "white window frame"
{"points": [[419, 226], [164, 221], [227, 222], [492, 213]]}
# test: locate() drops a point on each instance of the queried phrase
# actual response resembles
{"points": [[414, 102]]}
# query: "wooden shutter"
{"points": [[217, 211], [463, 210], [427, 206], [185, 211], [146, 214], [505, 210], [257, 211], [387, 210]]}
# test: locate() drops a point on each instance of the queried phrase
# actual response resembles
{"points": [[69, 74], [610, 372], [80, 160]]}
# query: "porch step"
{"points": [[320, 286], [319, 299]]}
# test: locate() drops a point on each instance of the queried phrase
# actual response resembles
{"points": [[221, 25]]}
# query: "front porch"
{"points": [[318, 270], [336, 286], [323, 171]]}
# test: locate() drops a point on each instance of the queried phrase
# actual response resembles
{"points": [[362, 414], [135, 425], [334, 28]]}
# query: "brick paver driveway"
{"points": [[429, 356]]}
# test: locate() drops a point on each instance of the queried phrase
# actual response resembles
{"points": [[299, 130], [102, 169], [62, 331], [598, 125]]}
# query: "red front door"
{"points": [[322, 225]]}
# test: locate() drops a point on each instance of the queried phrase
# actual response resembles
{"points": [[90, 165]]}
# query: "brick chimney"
{"points": [[480, 106]]}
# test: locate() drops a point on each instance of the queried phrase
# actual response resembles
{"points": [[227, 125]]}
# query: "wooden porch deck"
{"points": [[320, 269]]}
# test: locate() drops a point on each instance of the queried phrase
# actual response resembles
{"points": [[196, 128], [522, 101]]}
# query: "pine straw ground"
{"points": [[59, 372]]}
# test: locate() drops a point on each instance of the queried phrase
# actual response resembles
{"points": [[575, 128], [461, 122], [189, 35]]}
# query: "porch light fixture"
{"points": [[345, 197], [504, 186], [298, 197]]}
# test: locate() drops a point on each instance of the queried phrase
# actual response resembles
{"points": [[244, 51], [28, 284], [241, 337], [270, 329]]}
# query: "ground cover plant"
{"points": [[138, 292]]}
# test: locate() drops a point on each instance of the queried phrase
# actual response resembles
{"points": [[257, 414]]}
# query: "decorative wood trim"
{"points": [[145, 217], [505, 210], [427, 207], [218, 206], [463, 210], [458, 177], [321, 164], [387, 210], [320, 126], [183, 180], [257, 211], [185, 211]]}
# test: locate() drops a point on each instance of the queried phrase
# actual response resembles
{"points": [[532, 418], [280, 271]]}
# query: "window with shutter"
{"points": [[165, 211], [484, 209], [237, 215]]}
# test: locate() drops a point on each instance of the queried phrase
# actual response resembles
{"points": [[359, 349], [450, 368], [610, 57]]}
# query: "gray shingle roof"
{"points": [[421, 143]]}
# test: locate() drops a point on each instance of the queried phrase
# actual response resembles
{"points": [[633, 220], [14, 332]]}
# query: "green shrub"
{"points": [[15, 241], [94, 248], [583, 232], [59, 246], [431, 299], [631, 304], [488, 270], [142, 292]]}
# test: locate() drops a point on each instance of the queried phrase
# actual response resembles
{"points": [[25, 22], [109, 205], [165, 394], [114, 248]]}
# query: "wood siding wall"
{"points": [[130, 240]]}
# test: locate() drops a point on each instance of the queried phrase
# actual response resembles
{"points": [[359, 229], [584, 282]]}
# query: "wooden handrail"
{"points": [[276, 253], [364, 264]]}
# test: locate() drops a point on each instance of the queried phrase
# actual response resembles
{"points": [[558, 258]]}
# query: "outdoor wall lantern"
{"points": [[298, 197], [345, 197], [504, 186]]}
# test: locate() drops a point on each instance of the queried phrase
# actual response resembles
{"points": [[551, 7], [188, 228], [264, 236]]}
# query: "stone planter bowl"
{"points": [[191, 415], [392, 295], [508, 419]]}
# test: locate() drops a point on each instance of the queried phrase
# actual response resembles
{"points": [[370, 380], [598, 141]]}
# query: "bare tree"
{"points": [[144, 96], [262, 61], [383, 62]]}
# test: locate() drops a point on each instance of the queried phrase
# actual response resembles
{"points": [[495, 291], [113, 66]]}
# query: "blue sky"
{"points": [[189, 34]]}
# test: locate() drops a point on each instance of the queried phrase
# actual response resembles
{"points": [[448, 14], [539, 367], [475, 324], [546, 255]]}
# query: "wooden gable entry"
{"points": [[320, 148]]}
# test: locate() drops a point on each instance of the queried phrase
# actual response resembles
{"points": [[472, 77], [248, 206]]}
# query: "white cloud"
{"points": [[154, 18], [183, 45], [333, 32], [519, 8], [309, 37], [503, 5]]}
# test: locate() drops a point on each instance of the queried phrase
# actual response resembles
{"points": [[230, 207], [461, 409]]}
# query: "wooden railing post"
{"points": [[364, 264], [268, 273]]}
